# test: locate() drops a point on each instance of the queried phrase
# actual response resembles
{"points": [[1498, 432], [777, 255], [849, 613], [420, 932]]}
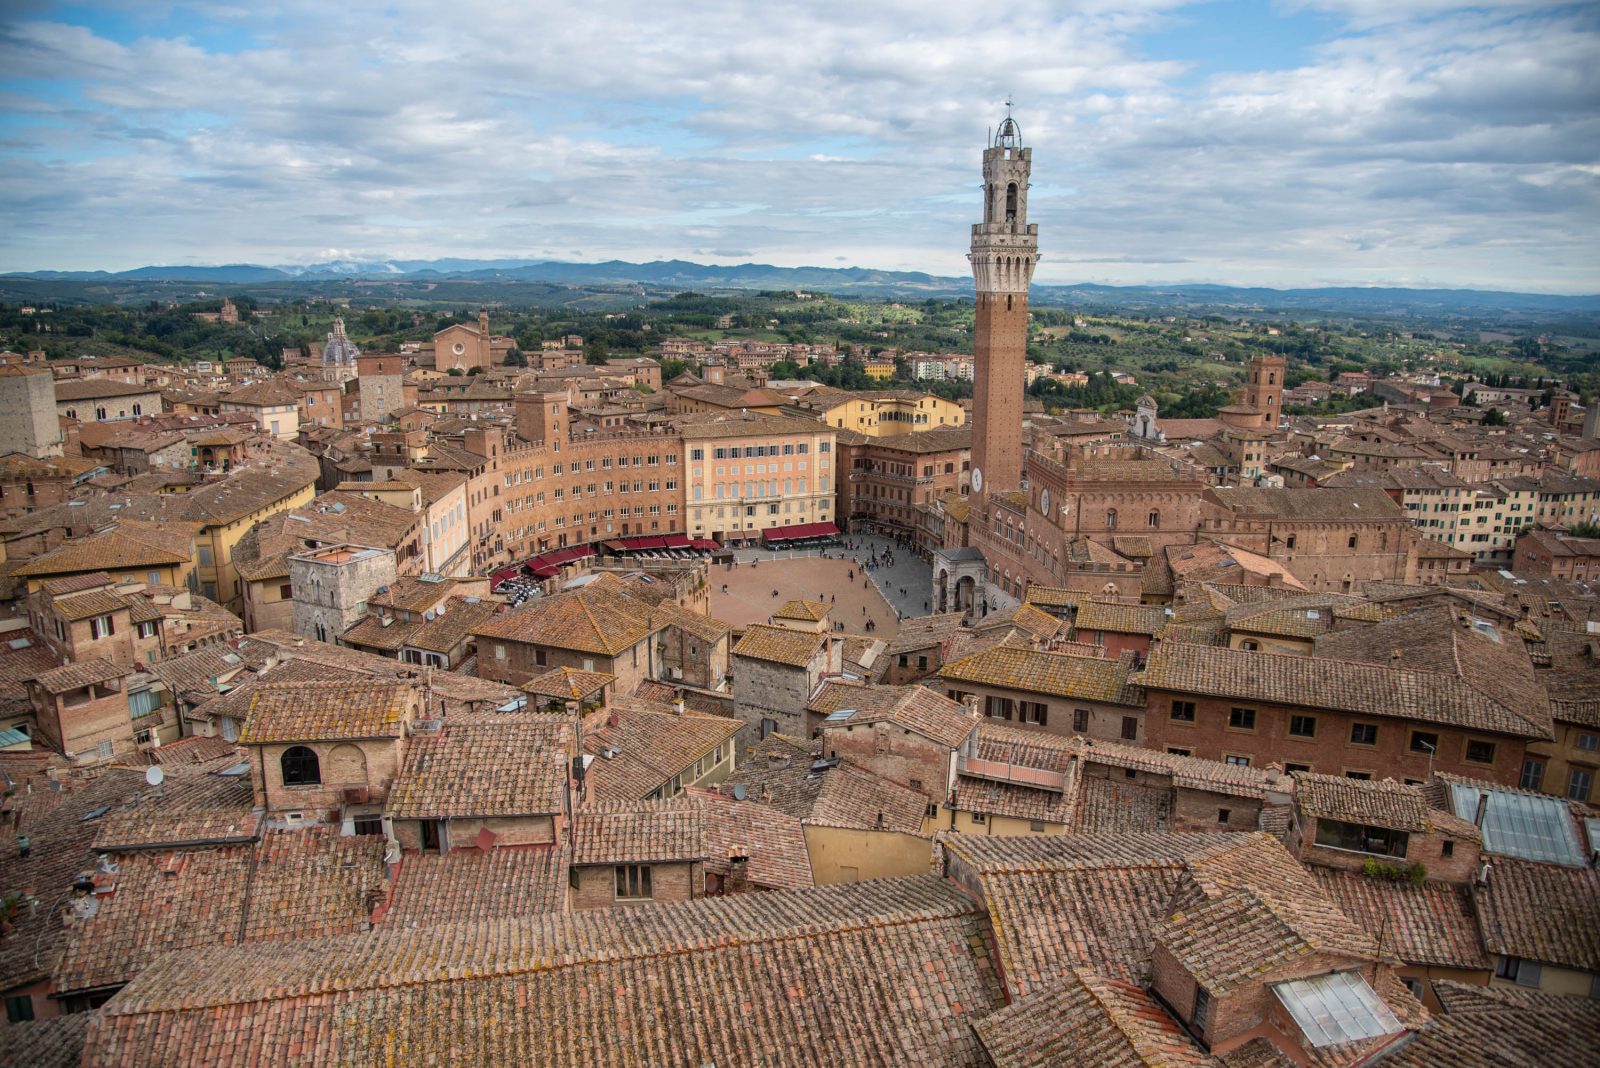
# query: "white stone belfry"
{"points": [[1005, 246]]}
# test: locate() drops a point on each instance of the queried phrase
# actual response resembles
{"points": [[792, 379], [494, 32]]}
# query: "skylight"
{"points": [[1521, 825], [1335, 1008]]}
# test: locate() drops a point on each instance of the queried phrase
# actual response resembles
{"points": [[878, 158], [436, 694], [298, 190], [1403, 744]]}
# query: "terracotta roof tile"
{"points": [[1496, 1027], [327, 711], [1120, 618], [292, 884], [1342, 685], [1375, 803], [53, 1042], [638, 832], [474, 886], [76, 676], [1431, 924], [592, 619], [1541, 912], [649, 746], [780, 645], [1059, 674], [1088, 1019], [568, 683], [890, 971], [496, 764], [1247, 935], [193, 806], [915, 708], [802, 609]]}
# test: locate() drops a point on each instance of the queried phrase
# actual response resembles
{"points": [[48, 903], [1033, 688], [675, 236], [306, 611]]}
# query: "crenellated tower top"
{"points": [[1005, 246]]}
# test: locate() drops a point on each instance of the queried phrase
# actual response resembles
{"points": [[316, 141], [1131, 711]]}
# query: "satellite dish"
{"points": [[155, 776], [738, 791]]}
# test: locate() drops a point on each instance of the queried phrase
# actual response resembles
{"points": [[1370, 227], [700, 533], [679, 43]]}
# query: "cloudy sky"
{"points": [[1290, 143]]}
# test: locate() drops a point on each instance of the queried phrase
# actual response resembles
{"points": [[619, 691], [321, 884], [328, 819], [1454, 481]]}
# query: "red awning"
{"points": [[652, 543], [547, 570], [504, 573], [583, 551], [559, 557], [704, 543], [800, 532], [677, 541]]}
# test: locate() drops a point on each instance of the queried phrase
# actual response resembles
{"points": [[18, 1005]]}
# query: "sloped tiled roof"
{"points": [[125, 547], [1371, 802], [194, 806], [51, 1042], [1246, 935], [1341, 685], [1120, 618], [292, 884], [1089, 1019], [326, 711], [1541, 912], [650, 744], [1194, 773], [779, 645], [915, 708], [802, 609], [1431, 924], [568, 683], [474, 885], [774, 844], [878, 972], [1059, 674], [638, 832], [492, 764], [78, 675], [592, 619], [1498, 1027]]}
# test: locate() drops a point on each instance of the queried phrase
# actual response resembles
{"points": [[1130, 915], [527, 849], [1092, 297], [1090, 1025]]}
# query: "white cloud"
{"points": [[1452, 143]]}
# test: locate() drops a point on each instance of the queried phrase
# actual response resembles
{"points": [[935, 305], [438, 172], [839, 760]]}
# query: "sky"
{"points": [[1294, 143]]}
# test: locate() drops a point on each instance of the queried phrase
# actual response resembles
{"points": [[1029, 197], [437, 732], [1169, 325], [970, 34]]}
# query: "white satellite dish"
{"points": [[155, 776], [738, 791]]}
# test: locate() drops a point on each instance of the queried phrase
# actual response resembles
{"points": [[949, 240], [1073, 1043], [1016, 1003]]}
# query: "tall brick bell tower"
{"points": [[1004, 250]]}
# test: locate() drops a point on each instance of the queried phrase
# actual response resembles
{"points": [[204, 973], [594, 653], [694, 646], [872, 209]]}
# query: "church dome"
{"points": [[339, 348]]}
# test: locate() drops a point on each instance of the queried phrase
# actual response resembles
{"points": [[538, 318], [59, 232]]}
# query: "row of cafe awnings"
{"points": [[799, 532], [654, 542], [544, 565], [547, 565]]}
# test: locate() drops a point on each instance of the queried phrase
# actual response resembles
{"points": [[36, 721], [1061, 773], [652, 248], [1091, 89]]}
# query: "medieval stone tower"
{"points": [[1263, 389], [1005, 248]]}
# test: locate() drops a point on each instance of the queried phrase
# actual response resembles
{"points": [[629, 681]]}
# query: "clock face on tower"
{"points": [[977, 480], [1044, 501]]}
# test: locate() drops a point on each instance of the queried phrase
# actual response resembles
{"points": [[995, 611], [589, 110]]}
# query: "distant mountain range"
{"points": [[682, 274]]}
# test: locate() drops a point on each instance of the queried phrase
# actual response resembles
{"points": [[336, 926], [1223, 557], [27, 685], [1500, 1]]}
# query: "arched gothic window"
{"points": [[300, 767]]}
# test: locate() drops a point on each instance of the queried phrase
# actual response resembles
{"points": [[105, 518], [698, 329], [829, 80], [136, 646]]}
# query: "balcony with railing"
{"points": [[1015, 774]]}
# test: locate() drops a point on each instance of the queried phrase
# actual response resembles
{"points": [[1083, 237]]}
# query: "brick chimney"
{"points": [[738, 880]]}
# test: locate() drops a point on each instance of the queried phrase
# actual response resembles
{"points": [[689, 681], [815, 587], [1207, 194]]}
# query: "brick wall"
{"points": [[893, 753], [766, 690], [370, 763], [1330, 751], [597, 885], [1105, 721]]}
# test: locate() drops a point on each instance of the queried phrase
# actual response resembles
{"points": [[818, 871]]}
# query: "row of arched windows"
{"points": [[1152, 520]]}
